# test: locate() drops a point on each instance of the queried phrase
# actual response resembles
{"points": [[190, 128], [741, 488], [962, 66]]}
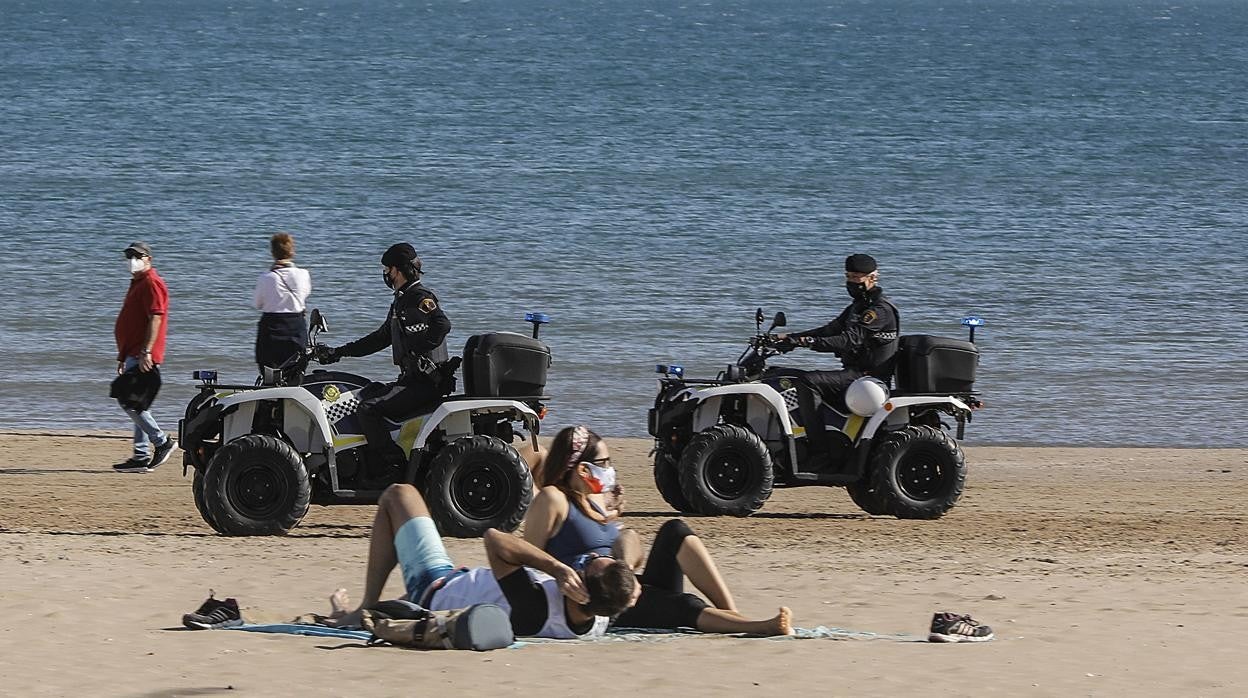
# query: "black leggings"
{"points": [[663, 603]]}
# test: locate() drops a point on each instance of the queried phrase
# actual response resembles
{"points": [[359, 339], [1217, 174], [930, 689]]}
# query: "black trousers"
{"points": [[279, 336], [394, 402], [663, 603]]}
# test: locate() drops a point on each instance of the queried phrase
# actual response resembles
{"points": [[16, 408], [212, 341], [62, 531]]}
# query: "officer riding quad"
{"points": [[262, 453], [721, 445]]}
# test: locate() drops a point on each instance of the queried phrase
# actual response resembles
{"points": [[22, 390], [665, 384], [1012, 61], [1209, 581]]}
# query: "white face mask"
{"points": [[135, 264], [601, 479]]}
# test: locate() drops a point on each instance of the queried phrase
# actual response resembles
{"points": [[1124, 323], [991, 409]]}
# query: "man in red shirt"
{"points": [[140, 334]]}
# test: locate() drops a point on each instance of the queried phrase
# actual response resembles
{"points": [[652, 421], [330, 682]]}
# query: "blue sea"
{"points": [[647, 173]]}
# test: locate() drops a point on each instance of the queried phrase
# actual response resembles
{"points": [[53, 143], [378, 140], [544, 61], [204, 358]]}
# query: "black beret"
{"points": [[860, 263], [399, 255]]}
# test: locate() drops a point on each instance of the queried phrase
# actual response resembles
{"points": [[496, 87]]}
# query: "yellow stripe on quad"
{"points": [[853, 426], [341, 441], [408, 433], [798, 432]]}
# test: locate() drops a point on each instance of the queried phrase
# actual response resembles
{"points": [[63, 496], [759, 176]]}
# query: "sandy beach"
{"points": [[1103, 572]]}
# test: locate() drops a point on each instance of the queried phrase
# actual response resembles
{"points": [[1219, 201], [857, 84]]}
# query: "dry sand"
{"points": [[1103, 572]]}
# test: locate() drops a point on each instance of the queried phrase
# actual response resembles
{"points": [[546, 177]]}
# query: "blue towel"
{"points": [[301, 629]]}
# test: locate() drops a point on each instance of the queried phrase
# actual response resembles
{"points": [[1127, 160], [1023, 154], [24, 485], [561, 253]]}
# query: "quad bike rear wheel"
{"points": [[197, 491], [256, 485], [477, 483], [918, 472], [667, 480], [726, 470]]}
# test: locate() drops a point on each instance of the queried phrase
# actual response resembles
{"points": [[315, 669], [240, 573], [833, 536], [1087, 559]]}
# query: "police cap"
{"points": [[860, 264], [399, 255]]}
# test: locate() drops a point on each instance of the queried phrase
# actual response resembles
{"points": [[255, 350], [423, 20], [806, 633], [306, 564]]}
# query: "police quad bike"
{"points": [[721, 445], [262, 453]]}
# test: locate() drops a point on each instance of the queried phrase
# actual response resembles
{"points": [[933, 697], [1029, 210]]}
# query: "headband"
{"points": [[580, 439]]}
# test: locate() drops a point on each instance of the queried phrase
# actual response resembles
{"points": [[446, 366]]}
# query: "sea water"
{"points": [[648, 173]]}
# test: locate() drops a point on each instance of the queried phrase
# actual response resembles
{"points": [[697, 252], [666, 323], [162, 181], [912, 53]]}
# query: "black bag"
{"points": [[135, 389]]}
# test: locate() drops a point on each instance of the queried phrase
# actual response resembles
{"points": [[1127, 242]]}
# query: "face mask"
{"points": [[134, 264], [600, 479], [385, 276], [856, 291]]}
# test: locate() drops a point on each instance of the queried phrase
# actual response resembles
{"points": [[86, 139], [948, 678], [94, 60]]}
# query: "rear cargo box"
{"points": [[504, 364], [928, 364]]}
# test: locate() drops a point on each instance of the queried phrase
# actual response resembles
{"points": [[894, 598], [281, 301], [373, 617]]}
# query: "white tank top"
{"points": [[478, 585]]}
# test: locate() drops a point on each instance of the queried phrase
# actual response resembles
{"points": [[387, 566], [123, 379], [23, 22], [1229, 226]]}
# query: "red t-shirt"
{"points": [[147, 296]]}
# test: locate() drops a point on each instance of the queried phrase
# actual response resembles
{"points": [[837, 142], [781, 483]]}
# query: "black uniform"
{"points": [[415, 329], [864, 336]]}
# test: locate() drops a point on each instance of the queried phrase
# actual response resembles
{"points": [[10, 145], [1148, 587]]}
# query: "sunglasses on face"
{"points": [[132, 254], [600, 462]]}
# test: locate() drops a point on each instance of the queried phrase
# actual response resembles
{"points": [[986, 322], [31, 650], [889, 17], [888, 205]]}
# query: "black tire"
{"points": [[197, 491], [865, 497], [726, 470], [478, 483], [256, 486], [667, 480], [918, 472]]}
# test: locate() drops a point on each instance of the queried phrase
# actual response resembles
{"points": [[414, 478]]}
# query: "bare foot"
{"points": [[339, 603], [783, 621]]}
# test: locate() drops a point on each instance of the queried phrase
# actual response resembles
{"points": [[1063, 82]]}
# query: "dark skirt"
{"points": [[280, 336]]}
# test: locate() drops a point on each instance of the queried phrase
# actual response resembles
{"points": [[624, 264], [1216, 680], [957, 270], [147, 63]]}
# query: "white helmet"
{"points": [[866, 396]]}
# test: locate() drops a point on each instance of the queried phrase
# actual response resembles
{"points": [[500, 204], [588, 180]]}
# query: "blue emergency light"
{"points": [[670, 370], [971, 322], [205, 376]]}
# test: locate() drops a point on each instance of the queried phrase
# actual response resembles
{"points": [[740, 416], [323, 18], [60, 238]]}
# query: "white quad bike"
{"points": [[721, 445], [262, 453]]}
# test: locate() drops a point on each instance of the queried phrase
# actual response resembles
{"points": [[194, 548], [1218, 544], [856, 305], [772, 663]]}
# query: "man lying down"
{"points": [[544, 597]]}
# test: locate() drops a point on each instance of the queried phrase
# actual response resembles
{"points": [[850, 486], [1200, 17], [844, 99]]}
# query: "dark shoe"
{"points": [[213, 614], [951, 627], [136, 464], [163, 451]]}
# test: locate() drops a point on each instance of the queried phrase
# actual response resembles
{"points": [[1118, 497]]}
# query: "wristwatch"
{"points": [[145, 352]]}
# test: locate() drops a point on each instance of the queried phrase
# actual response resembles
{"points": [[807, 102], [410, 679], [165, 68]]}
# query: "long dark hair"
{"points": [[555, 466]]}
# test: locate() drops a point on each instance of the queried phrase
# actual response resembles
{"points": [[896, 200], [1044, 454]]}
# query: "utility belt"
{"points": [[422, 369]]}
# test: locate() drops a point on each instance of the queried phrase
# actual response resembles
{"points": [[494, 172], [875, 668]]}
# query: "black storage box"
{"points": [[505, 364], [928, 364]]}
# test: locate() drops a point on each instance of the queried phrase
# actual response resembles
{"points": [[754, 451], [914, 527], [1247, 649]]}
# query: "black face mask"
{"points": [[385, 276], [856, 291]]}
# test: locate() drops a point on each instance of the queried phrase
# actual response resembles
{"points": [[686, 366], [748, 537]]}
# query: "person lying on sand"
{"points": [[544, 597], [569, 521]]}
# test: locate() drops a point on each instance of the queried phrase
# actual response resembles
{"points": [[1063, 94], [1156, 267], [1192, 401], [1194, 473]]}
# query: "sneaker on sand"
{"points": [[163, 451], [136, 464], [213, 614], [951, 627]]}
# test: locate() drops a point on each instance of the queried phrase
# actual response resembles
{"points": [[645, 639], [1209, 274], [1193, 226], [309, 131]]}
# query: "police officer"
{"points": [[864, 335], [415, 329]]}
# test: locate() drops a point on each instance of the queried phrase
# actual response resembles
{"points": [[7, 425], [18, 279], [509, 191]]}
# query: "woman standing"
{"points": [[281, 296]]}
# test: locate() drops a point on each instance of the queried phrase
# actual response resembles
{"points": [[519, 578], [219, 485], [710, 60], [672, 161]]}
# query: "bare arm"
{"points": [[507, 553], [547, 513], [153, 329]]}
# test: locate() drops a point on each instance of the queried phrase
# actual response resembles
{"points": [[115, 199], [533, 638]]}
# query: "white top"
{"points": [[283, 290], [478, 585]]}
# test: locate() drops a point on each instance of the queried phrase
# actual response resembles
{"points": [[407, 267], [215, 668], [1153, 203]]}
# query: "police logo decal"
{"points": [[330, 393], [428, 305], [869, 317]]}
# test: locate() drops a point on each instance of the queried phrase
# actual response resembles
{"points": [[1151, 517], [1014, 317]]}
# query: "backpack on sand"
{"points": [[481, 627]]}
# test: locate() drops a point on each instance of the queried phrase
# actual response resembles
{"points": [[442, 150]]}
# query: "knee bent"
{"points": [[675, 528]]}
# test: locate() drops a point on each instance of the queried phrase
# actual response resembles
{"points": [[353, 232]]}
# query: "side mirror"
{"points": [[317, 321], [758, 317], [779, 321]]}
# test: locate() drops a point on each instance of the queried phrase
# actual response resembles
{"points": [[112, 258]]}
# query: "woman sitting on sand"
{"points": [[572, 518]]}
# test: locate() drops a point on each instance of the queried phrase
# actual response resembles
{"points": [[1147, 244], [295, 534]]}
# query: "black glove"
{"points": [[331, 355], [785, 345]]}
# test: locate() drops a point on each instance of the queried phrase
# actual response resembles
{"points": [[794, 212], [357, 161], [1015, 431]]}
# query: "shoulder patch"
{"points": [[428, 305], [869, 317]]}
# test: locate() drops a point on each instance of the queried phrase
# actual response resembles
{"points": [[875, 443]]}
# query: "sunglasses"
{"points": [[600, 462], [134, 254]]}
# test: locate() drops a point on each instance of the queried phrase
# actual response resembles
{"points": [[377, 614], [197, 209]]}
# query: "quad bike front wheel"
{"points": [[865, 496], [918, 472], [477, 483], [667, 480], [256, 485], [726, 470]]}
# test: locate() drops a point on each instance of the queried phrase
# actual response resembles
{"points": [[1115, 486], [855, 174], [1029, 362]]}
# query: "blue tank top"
{"points": [[580, 534]]}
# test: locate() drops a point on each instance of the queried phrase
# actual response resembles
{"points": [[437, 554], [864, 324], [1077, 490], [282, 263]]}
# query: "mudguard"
{"points": [[764, 405], [454, 418], [307, 428], [895, 405]]}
